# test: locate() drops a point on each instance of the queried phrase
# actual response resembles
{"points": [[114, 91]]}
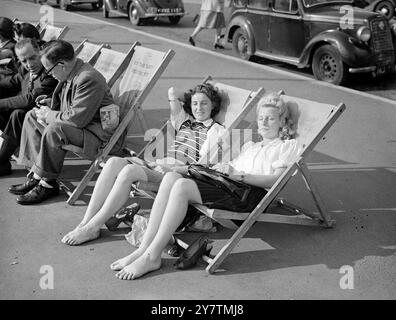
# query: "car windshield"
{"points": [[311, 3]]}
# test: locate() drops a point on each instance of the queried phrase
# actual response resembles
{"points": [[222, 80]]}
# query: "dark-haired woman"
{"points": [[197, 133]]}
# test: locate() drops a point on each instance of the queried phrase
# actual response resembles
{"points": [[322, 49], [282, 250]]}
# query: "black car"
{"points": [[66, 4], [330, 35], [386, 7], [145, 10]]}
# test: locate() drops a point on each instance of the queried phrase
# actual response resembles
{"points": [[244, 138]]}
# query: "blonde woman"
{"points": [[259, 165]]}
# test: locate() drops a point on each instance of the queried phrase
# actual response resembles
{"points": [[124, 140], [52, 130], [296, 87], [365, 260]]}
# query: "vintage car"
{"points": [[330, 35], [386, 7], [66, 4], [145, 10]]}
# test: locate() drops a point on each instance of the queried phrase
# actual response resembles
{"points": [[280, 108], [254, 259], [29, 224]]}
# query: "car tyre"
{"points": [[241, 44], [327, 65], [96, 5], [133, 14], [63, 5], [174, 19], [386, 8]]}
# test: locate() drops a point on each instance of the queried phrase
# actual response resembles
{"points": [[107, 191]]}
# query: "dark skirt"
{"points": [[216, 198]]}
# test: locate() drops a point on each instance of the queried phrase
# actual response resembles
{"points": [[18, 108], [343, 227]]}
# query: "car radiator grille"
{"points": [[381, 42]]}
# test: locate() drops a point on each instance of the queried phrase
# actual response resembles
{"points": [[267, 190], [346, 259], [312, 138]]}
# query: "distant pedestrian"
{"points": [[212, 17]]}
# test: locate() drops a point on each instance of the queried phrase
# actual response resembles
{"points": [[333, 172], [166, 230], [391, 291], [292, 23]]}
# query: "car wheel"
{"points": [[174, 19], [386, 8], [328, 66], [133, 14], [241, 44], [95, 5], [63, 5]]}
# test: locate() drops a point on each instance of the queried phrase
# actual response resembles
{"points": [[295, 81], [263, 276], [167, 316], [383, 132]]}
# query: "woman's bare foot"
{"points": [[80, 235], [123, 262], [144, 264]]}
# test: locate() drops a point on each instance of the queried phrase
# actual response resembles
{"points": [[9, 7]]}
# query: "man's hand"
{"points": [[41, 113], [43, 100]]}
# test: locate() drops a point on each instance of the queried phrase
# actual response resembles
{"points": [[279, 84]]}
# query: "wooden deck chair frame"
{"points": [[301, 217], [93, 51], [61, 31], [129, 116]]}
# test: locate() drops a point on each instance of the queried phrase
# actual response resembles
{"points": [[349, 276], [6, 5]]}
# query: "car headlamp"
{"points": [[363, 33]]}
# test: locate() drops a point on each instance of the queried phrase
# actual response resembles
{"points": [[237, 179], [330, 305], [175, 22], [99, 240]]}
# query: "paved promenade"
{"points": [[354, 168]]}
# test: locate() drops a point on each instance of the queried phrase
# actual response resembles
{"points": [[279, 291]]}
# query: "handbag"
{"points": [[238, 196]]}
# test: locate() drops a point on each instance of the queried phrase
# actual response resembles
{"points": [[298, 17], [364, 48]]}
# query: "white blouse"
{"points": [[263, 159]]}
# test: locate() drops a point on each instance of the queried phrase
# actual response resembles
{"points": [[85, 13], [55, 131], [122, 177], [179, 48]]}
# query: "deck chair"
{"points": [[50, 32], [88, 51], [236, 104], [313, 121], [143, 70]]}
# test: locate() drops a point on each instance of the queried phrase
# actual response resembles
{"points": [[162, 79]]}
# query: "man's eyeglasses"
{"points": [[52, 68]]}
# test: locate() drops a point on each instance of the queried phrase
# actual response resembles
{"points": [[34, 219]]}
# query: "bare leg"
{"points": [[183, 192], [156, 215], [197, 30], [113, 202], [217, 36]]}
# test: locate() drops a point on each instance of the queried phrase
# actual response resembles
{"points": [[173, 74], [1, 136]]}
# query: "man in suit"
{"points": [[72, 116], [32, 81]]}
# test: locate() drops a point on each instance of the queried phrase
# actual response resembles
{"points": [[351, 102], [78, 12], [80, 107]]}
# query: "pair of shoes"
{"points": [[38, 194], [218, 46], [197, 249], [5, 169], [123, 215], [191, 40], [23, 188]]}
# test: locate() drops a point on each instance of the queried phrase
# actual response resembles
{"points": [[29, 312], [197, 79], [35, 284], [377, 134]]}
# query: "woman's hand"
{"points": [[162, 169], [180, 169], [224, 168]]}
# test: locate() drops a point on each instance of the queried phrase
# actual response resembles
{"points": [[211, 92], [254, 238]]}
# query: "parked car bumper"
{"points": [[378, 70]]}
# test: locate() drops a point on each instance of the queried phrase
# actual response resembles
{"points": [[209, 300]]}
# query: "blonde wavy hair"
{"points": [[275, 100]]}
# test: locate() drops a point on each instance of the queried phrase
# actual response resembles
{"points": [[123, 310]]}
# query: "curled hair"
{"points": [[57, 50], [22, 43], [275, 100], [210, 91], [26, 30]]}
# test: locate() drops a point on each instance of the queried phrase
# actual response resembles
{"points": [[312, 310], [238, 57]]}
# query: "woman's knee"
{"points": [[171, 176], [130, 173], [184, 188], [115, 164]]}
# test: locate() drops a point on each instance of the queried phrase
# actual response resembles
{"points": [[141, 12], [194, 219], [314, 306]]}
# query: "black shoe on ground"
{"points": [[191, 40], [5, 169], [38, 194], [23, 188]]}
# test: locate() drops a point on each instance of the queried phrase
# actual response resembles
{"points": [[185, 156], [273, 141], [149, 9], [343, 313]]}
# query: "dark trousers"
{"points": [[11, 123], [41, 147]]}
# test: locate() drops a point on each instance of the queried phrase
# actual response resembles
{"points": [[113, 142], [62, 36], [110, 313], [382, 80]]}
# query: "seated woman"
{"points": [[196, 134], [259, 164]]}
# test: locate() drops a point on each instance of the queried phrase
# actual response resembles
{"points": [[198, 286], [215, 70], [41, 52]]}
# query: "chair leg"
{"points": [[315, 194], [83, 183]]}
